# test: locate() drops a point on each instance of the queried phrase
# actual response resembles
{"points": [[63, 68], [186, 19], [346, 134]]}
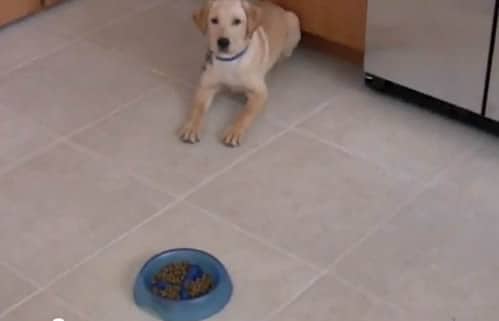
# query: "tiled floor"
{"points": [[340, 205]]}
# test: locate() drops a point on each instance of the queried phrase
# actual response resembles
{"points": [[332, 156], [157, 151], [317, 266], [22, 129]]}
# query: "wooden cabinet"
{"points": [[11, 10], [49, 3], [340, 23]]}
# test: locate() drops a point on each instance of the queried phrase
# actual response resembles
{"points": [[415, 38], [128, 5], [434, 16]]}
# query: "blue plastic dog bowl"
{"points": [[183, 310]]}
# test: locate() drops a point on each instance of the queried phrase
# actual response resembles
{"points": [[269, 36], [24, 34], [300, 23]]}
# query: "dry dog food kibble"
{"points": [[181, 281], [173, 274]]}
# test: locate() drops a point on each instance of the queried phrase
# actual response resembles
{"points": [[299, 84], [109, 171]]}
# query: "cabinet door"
{"points": [[437, 47], [339, 21], [492, 110], [11, 10]]}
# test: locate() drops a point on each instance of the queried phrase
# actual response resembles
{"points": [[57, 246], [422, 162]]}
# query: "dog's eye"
{"points": [[214, 21], [236, 22]]}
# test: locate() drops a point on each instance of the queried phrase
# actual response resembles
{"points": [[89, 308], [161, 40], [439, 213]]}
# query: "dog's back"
{"points": [[282, 29]]}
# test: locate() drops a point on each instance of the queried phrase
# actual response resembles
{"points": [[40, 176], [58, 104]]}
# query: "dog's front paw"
{"points": [[190, 133], [233, 136]]}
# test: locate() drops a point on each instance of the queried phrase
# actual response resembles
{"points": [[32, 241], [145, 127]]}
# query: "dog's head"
{"points": [[228, 24]]}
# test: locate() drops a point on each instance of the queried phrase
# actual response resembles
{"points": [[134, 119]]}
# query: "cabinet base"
{"points": [[345, 53]]}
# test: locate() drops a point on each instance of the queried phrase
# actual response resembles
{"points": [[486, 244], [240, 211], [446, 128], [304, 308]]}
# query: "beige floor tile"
{"points": [[21, 42], [144, 139], [437, 259], [306, 80], [42, 308], [478, 176], [12, 289], [168, 43], [76, 18], [263, 279], [62, 206], [392, 133], [309, 198], [331, 300], [19, 136], [74, 87]]}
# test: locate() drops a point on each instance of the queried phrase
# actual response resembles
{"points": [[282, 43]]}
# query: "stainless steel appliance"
{"points": [[440, 48], [492, 107]]}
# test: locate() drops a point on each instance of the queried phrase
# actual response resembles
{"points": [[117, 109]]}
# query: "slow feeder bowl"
{"points": [[183, 310]]}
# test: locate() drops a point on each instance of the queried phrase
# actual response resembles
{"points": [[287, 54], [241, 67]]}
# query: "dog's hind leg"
{"points": [[294, 33]]}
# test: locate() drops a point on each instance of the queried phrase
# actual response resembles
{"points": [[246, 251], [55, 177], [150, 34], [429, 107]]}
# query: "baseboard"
{"points": [[345, 53]]}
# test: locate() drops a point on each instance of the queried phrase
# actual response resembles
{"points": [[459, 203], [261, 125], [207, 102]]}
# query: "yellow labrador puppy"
{"points": [[246, 39]]}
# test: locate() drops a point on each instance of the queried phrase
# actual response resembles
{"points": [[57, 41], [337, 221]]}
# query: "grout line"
{"points": [[320, 107], [378, 226], [332, 268], [128, 171], [375, 228], [250, 152], [117, 109], [14, 271], [36, 293], [71, 307], [20, 303], [92, 255], [296, 296], [170, 78], [160, 212], [72, 39], [111, 243], [179, 198], [432, 182], [207, 180], [355, 154], [372, 296], [255, 237], [120, 107], [32, 60], [37, 286], [68, 140], [30, 156], [146, 66], [65, 138], [346, 252]]}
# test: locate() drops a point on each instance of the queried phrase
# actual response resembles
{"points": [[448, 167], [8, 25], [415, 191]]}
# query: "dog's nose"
{"points": [[223, 43]]}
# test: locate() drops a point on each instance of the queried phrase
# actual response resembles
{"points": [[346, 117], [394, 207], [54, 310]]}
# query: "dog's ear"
{"points": [[200, 17], [254, 16]]}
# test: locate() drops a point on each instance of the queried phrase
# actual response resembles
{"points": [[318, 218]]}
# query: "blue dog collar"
{"points": [[237, 56]]}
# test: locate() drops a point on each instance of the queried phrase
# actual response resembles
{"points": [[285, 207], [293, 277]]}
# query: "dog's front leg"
{"points": [[190, 132], [257, 100]]}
